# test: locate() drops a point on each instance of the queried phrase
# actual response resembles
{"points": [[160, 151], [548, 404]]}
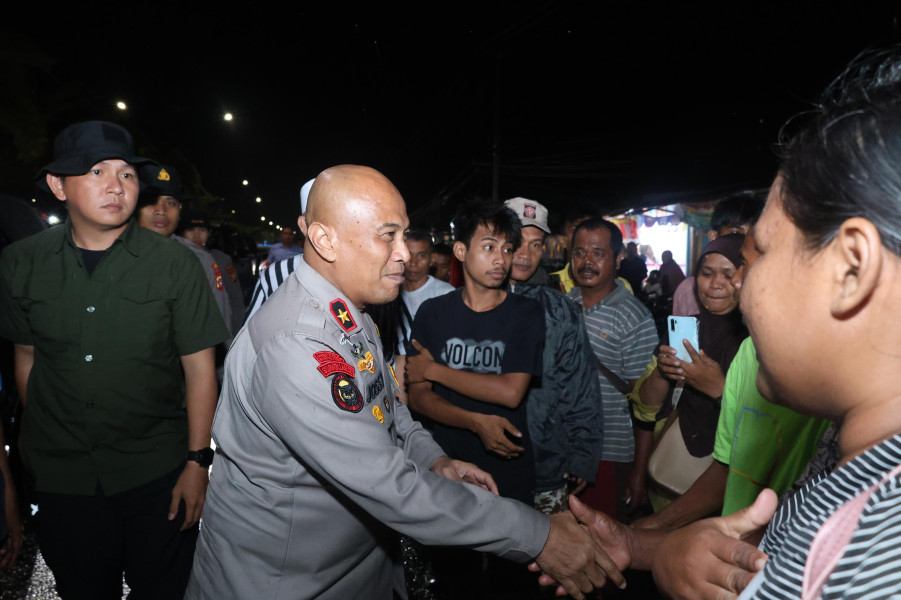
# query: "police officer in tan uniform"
{"points": [[317, 462]]}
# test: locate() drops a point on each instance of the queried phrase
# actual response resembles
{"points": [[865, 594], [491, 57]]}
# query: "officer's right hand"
{"points": [[493, 431], [574, 560]]}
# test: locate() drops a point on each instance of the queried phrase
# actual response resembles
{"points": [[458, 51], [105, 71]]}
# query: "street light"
{"points": [[245, 182], [121, 105], [259, 199], [227, 116]]}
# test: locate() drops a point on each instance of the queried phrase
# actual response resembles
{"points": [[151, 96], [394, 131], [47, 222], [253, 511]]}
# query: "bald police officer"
{"points": [[317, 462]]}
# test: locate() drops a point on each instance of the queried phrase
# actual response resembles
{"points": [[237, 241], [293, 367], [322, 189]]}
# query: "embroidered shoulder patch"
{"points": [[342, 315], [345, 393], [331, 363]]}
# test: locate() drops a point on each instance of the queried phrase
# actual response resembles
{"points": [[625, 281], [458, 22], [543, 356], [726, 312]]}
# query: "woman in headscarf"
{"points": [[696, 387]]}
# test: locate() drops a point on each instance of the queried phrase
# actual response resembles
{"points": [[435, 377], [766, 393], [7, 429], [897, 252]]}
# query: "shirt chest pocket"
{"points": [[143, 312], [49, 316]]}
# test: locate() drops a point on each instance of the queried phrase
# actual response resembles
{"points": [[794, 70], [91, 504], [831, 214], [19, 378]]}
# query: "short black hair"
{"points": [[736, 211], [495, 216], [596, 223], [418, 235]]}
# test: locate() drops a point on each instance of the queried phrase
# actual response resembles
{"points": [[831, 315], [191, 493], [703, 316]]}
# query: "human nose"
{"points": [[402, 254]]}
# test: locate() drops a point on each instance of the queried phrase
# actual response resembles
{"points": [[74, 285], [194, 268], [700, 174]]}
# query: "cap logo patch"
{"points": [[163, 175], [342, 315], [345, 393], [528, 211], [331, 363]]}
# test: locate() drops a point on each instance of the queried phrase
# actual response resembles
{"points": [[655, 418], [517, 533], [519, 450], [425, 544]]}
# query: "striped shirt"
{"points": [[269, 280], [623, 337], [871, 565]]}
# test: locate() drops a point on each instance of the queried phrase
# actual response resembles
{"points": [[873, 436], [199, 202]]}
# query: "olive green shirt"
{"points": [[105, 400]]}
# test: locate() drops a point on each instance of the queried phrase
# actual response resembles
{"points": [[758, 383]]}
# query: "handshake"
{"points": [[574, 557]]}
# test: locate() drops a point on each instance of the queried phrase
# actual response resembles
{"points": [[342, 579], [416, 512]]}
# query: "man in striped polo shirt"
{"points": [[622, 334]]}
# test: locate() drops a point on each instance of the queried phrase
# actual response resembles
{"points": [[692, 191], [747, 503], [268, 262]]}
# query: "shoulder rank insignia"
{"points": [[331, 363], [342, 315], [345, 393], [377, 413], [365, 363]]}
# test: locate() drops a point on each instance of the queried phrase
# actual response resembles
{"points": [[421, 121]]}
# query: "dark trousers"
{"points": [[89, 541]]}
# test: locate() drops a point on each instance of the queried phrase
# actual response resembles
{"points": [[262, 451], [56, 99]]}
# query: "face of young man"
{"points": [[416, 271], [100, 200], [486, 262], [528, 256], [593, 263], [161, 217], [198, 235]]}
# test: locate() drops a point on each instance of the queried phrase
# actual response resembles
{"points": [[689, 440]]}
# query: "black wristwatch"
{"points": [[202, 457]]}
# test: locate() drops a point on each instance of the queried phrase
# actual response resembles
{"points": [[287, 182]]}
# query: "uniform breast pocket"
{"points": [[48, 315], [145, 315]]}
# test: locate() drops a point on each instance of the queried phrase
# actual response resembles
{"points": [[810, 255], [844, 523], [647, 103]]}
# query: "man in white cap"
{"points": [[564, 414]]}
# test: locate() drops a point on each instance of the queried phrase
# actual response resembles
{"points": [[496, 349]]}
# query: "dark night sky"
{"points": [[618, 104]]}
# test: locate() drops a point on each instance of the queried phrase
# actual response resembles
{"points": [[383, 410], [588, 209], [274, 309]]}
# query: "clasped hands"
{"points": [[710, 559]]}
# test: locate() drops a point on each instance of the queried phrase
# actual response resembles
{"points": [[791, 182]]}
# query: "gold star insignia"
{"points": [[342, 314]]}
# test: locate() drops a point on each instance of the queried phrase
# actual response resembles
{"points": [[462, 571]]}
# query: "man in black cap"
{"points": [[160, 210], [104, 316]]}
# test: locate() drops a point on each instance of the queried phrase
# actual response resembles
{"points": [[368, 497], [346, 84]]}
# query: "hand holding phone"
{"points": [[683, 328]]}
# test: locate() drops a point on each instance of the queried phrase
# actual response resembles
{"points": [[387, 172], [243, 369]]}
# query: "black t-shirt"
{"points": [[506, 339]]}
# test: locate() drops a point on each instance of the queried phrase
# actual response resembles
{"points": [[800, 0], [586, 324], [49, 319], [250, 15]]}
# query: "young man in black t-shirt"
{"points": [[479, 349]]}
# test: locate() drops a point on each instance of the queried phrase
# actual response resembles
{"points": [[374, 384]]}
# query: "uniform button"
{"points": [[91, 309], [90, 405], [314, 304], [89, 357]]}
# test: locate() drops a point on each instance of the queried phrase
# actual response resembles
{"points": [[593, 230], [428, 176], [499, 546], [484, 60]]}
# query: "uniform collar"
{"points": [[128, 238]]}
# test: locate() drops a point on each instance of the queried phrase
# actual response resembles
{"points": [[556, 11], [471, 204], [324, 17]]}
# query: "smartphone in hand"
{"points": [[683, 328]]}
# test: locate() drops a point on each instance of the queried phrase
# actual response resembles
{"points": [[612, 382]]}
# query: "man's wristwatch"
{"points": [[202, 457]]}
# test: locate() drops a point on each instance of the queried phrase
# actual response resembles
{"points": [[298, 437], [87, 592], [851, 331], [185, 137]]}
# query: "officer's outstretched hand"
{"points": [[457, 470], [574, 560]]}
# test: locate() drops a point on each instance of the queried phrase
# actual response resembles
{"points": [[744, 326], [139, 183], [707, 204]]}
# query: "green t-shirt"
{"points": [[764, 445], [105, 399]]}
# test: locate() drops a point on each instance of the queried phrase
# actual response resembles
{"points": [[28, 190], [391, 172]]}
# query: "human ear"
{"points": [[857, 251], [323, 239], [55, 183], [712, 234], [302, 224], [460, 251]]}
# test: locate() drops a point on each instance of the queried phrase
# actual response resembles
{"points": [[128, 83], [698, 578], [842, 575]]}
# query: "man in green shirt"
{"points": [[105, 316]]}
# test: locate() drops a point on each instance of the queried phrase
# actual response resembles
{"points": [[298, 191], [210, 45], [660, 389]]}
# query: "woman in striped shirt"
{"points": [[822, 304]]}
